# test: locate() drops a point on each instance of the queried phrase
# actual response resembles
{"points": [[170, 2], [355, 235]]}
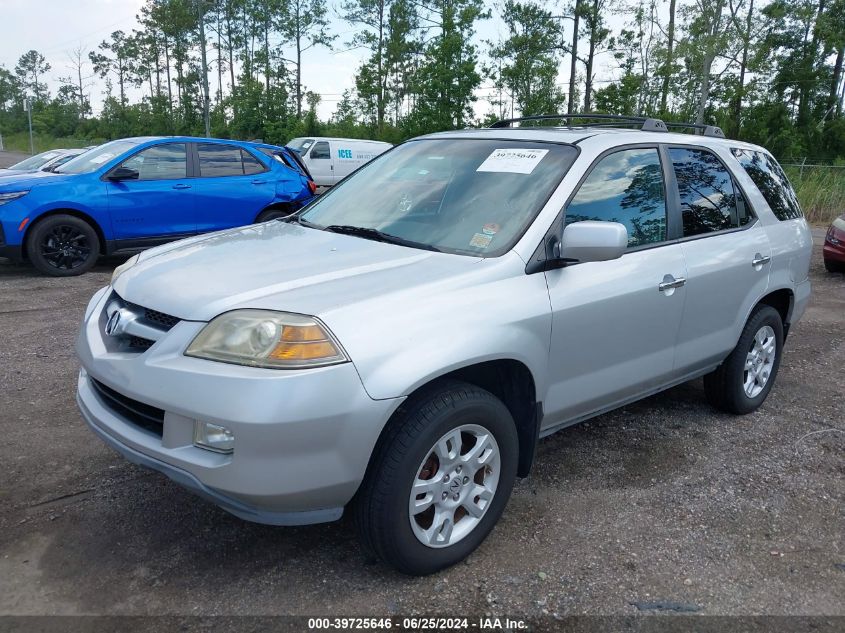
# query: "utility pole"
{"points": [[205, 96], [27, 104]]}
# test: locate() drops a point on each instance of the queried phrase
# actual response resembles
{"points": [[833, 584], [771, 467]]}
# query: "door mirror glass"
{"points": [[123, 173], [591, 241]]}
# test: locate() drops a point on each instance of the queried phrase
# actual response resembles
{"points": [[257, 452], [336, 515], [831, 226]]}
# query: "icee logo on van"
{"points": [[344, 153]]}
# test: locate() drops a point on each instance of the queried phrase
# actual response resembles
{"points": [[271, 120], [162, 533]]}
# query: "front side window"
{"points": [[625, 187], [159, 162], [464, 196], [708, 196], [321, 150], [771, 181]]}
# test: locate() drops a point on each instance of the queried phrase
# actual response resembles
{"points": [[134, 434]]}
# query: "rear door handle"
{"points": [[669, 283], [259, 182], [759, 260], [181, 185]]}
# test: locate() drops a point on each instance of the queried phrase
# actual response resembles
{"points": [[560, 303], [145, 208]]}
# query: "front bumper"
{"points": [[303, 438]]}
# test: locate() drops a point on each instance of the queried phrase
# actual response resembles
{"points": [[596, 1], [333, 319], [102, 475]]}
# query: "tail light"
{"points": [[312, 186]]}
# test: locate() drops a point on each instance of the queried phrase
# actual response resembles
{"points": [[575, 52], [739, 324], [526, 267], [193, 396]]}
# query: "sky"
{"points": [[58, 27]]}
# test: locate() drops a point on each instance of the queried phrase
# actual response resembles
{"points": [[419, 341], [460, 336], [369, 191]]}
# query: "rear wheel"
{"points": [[272, 214], [742, 382], [63, 246], [439, 479]]}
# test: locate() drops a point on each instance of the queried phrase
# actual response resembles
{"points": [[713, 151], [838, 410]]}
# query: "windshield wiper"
{"points": [[378, 236]]}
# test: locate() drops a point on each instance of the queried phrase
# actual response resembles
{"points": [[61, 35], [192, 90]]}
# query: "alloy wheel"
{"points": [[454, 485]]}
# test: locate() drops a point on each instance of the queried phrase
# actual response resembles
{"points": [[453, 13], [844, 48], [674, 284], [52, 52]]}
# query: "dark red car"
{"points": [[834, 246]]}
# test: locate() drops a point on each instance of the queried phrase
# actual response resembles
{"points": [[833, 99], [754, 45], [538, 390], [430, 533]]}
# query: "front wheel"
{"points": [[439, 480], [63, 246], [742, 382]]}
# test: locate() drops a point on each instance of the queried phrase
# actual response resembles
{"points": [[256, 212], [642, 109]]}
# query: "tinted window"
{"points": [[251, 163], [708, 199], [625, 187], [159, 162], [220, 160], [771, 181], [321, 150]]}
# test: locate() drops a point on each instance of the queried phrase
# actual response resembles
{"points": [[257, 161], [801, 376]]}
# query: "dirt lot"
{"points": [[663, 501]]}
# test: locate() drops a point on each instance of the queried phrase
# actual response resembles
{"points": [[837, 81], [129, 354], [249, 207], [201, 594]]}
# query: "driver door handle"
{"points": [[669, 282], [181, 185], [259, 182], [759, 260]]}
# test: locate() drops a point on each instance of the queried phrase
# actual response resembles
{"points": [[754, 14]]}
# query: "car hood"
{"points": [[279, 266], [18, 180]]}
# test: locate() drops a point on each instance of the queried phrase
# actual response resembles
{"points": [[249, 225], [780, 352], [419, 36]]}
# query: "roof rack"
{"points": [[647, 124]]}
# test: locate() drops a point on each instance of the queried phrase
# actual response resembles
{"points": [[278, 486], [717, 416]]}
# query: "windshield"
{"points": [[95, 158], [301, 145], [464, 196], [35, 162]]}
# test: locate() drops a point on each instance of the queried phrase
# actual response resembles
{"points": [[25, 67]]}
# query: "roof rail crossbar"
{"points": [[647, 124], [706, 130]]}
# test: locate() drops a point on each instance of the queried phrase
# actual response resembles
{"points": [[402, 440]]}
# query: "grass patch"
{"points": [[19, 142], [821, 191]]}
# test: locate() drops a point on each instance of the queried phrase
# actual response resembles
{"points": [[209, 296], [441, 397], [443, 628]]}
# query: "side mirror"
{"points": [[591, 241], [123, 173]]}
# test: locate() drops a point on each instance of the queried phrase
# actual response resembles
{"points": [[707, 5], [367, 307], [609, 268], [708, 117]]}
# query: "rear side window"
{"points": [[251, 163], [771, 181], [625, 187], [709, 200], [321, 150], [218, 160]]}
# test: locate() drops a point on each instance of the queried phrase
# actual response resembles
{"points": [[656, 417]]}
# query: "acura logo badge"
{"points": [[113, 323], [118, 321]]}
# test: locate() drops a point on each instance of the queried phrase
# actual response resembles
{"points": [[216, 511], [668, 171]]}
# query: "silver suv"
{"points": [[399, 346]]}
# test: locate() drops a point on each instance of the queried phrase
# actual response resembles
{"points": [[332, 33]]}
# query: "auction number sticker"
{"points": [[514, 161]]}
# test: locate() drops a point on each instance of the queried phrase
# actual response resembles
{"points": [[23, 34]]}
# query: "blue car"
{"points": [[130, 194]]}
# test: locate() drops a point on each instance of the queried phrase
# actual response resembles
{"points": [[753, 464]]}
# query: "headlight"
{"points": [[129, 263], [14, 195], [261, 338]]}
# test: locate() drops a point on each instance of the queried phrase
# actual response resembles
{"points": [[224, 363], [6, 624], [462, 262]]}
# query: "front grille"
{"points": [[160, 318], [140, 343], [143, 415]]}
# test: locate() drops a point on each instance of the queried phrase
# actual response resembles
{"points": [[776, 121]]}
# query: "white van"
{"points": [[330, 159]]}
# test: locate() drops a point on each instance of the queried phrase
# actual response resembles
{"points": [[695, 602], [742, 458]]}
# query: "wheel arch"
{"points": [[287, 206], [782, 300], [509, 380], [64, 211]]}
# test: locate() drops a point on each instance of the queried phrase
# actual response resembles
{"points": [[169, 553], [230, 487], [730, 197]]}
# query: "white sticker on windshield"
{"points": [[102, 158], [514, 161]]}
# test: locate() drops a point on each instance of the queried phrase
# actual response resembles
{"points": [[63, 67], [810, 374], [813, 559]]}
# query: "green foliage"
{"points": [[768, 71]]}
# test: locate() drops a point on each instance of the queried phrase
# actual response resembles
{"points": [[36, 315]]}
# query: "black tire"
{"points": [[833, 266], [272, 214], [725, 386], [63, 246], [381, 508]]}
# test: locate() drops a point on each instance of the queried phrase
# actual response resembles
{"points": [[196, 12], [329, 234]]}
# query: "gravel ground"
{"points": [[662, 503]]}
